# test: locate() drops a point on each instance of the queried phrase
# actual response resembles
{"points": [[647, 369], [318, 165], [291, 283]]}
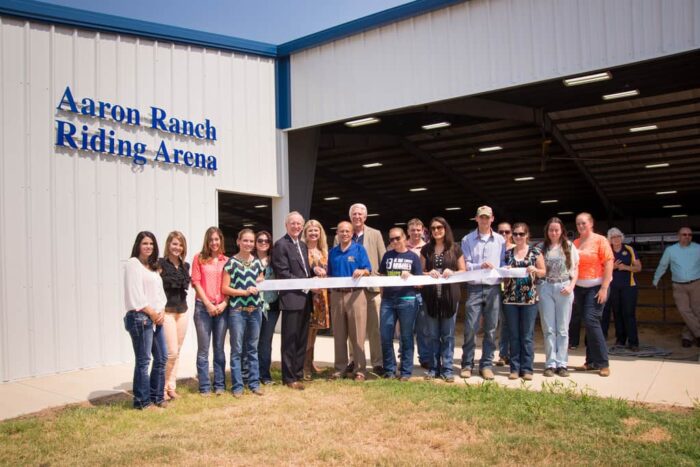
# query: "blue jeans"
{"points": [[267, 331], [591, 311], [555, 313], [146, 342], [482, 300], [521, 329], [244, 333], [209, 328], [404, 310], [441, 332], [422, 338], [503, 336], [622, 303]]}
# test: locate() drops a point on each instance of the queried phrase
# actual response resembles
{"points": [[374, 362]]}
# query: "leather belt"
{"points": [[686, 283], [249, 309]]}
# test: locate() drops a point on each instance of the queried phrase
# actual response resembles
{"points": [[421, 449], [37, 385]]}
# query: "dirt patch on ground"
{"points": [[654, 435], [631, 422]]}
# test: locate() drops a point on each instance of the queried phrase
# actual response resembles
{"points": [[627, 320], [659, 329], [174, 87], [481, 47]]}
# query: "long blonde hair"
{"points": [[322, 239]]}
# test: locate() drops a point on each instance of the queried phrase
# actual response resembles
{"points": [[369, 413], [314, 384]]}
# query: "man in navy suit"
{"points": [[290, 260]]}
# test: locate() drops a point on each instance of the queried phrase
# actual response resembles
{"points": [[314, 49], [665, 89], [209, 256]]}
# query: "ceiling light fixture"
{"points": [[637, 129], [565, 213], [680, 215], [399, 223], [248, 225], [421, 188], [490, 148], [372, 164], [331, 198], [549, 201], [672, 206], [456, 208], [586, 79], [435, 126], [374, 214], [620, 95], [524, 179], [670, 192], [260, 206], [362, 122], [657, 166]]}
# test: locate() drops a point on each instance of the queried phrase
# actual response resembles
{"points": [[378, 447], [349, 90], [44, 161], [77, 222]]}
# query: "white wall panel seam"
{"points": [[4, 345], [53, 244], [28, 305]]}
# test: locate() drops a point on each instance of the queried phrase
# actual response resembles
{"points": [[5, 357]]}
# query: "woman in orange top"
{"points": [[595, 269]]}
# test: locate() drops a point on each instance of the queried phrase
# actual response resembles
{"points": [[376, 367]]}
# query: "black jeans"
{"points": [[622, 304], [586, 304]]}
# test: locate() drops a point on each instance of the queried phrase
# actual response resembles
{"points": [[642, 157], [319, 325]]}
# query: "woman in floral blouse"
{"points": [[520, 300]]}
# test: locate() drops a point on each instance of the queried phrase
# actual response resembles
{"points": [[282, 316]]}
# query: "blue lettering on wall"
{"points": [[106, 141]]}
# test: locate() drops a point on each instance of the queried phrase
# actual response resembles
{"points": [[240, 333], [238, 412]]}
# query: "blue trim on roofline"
{"points": [[375, 20], [283, 93], [86, 19]]}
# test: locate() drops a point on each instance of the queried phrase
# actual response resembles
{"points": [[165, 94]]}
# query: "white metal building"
{"points": [[68, 216]]}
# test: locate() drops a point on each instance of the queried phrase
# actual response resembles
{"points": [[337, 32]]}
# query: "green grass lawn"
{"points": [[377, 422]]}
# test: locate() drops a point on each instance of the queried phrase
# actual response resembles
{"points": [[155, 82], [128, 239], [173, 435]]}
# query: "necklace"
{"points": [[246, 264]]}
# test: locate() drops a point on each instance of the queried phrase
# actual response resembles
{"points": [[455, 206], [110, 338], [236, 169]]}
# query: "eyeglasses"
{"points": [[437, 227], [519, 234], [263, 240], [394, 239], [504, 232], [686, 235]]}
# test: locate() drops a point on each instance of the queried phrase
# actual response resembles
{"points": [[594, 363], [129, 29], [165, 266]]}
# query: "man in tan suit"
{"points": [[373, 242]]}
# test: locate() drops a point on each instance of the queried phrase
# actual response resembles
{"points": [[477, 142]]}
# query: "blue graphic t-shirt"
{"points": [[393, 264]]}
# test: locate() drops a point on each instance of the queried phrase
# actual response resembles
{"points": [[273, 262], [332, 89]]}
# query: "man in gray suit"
{"points": [[373, 242]]}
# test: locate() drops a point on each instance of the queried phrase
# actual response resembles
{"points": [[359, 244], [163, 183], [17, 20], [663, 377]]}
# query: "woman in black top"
{"points": [[175, 273], [441, 257]]}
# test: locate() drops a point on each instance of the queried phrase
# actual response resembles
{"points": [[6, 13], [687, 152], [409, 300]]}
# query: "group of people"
{"points": [[566, 283]]}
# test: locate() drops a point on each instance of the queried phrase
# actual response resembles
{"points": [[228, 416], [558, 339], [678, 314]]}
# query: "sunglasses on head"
{"points": [[519, 234]]}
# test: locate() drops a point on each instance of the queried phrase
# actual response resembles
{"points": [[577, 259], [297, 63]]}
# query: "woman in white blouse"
{"points": [[145, 300]]}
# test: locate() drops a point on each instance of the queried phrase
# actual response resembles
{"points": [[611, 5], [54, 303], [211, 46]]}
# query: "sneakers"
{"points": [[549, 372], [604, 372], [563, 372], [465, 373], [486, 373]]}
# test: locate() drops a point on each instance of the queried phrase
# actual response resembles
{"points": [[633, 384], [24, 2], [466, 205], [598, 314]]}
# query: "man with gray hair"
{"points": [[371, 239]]}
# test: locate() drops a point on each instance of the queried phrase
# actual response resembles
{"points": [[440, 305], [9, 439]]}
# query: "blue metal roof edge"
{"points": [[375, 20], [86, 19]]}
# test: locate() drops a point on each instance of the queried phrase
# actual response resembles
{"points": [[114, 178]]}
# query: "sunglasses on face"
{"points": [[263, 240], [504, 232], [437, 227], [519, 234], [394, 239]]}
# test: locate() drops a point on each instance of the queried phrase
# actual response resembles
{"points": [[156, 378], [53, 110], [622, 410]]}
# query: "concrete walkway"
{"points": [[644, 380]]}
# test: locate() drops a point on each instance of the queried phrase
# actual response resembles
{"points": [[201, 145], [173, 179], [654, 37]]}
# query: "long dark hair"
{"points": [[152, 261], [564, 239], [449, 241], [269, 238]]}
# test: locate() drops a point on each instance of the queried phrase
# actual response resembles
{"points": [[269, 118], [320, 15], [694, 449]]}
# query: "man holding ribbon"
{"points": [[348, 305], [290, 260]]}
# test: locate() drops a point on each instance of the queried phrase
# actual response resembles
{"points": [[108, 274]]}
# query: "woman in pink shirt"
{"points": [[595, 267], [210, 315]]}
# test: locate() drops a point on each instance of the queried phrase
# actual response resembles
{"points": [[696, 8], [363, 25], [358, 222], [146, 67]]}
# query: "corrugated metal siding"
{"points": [[479, 46], [68, 218]]}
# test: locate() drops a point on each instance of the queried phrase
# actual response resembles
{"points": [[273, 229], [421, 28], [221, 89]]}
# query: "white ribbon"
{"points": [[387, 281]]}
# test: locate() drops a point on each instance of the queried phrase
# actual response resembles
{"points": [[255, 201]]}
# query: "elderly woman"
{"points": [[622, 298], [595, 269]]}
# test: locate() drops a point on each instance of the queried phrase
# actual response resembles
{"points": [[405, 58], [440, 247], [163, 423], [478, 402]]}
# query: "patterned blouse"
{"points": [[521, 290], [244, 274]]}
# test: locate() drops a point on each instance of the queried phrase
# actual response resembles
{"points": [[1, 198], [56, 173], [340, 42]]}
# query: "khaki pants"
{"points": [[175, 328], [687, 298], [374, 304], [349, 321]]}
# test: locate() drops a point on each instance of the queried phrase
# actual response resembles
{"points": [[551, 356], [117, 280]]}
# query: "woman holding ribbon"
{"points": [[441, 257]]}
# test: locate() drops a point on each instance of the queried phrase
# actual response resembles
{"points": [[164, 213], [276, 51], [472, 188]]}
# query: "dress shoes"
{"points": [[295, 385]]}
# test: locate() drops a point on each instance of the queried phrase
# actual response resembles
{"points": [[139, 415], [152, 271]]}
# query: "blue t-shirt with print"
{"points": [[393, 264]]}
